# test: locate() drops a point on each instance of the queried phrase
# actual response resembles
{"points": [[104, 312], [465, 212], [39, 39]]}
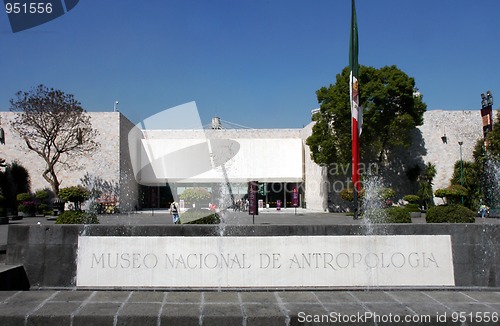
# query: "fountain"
{"points": [[492, 184], [373, 203]]}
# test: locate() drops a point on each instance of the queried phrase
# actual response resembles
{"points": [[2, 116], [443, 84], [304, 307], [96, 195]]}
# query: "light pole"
{"points": [[115, 109], [460, 143]]}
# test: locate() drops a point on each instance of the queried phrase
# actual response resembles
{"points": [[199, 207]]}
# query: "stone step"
{"points": [[409, 307], [13, 277]]}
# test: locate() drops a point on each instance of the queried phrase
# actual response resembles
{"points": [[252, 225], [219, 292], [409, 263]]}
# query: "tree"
{"points": [[469, 177], [391, 110], [54, 126], [195, 195], [453, 194], [425, 184], [14, 180], [493, 139], [76, 195]]}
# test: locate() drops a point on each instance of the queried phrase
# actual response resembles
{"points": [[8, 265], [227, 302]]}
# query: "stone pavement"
{"points": [[440, 306], [250, 308]]}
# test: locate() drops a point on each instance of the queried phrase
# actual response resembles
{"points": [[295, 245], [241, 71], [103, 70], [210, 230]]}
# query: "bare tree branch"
{"points": [[55, 127]]}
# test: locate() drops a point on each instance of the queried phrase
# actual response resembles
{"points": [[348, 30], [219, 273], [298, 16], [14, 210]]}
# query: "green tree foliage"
{"points": [[450, 214], [470, 179], [54, 126], [425, 184], [196, 195], [14, 179], [76, 195], [412, 199], [77, 217], [391, 110], [494, 138], [486, 158], [453, 194]]}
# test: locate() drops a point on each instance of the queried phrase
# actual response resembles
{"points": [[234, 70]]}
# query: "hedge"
{"points": [[199, 216], [450, 214], [76, 217]]}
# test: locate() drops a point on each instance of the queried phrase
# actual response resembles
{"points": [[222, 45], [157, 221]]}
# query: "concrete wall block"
{"points": [[19, 234], [53, 263], [60, 265]]}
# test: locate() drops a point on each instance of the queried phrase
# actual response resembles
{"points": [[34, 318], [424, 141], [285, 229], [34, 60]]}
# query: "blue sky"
{"points": [[256, 63]]}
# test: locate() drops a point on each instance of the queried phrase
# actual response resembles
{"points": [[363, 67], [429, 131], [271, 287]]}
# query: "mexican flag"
{"points": [[356, 110]]}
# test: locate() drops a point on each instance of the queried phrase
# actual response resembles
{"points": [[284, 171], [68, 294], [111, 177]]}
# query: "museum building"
{"points": [[153, 166]]}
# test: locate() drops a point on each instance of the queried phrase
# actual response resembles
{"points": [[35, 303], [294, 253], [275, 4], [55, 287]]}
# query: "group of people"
{"points": [[241, 205]]}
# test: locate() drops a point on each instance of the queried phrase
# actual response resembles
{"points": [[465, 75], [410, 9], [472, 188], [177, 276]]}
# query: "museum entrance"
{"points": [[270, 194]]}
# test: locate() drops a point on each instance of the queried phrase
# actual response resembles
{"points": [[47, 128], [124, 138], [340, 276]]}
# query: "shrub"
{"points": [[42, 208], [387, 215], [453, 193], [13, 180], [347, 194], [26, 204], [414, 208], [412, 199], [195, 195], [387, 193], [76, 195], [398, 215], [24, 196], [450, 214], [41, 195], [28, 207], [200, 216], [77, 217]]}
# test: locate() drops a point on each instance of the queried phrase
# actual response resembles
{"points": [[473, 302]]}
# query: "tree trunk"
{"points": [[50, 176]]}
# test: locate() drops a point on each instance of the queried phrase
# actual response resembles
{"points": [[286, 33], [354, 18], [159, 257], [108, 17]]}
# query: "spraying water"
{"points": [[373, 201], [492, 182]]}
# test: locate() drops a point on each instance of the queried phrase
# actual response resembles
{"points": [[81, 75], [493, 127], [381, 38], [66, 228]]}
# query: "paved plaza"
{"points": [[359, 306]]}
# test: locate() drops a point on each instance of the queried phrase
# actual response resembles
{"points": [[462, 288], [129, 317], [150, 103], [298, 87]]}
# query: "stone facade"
{"points": [[316, 192], [465, 126], [112, 161]]}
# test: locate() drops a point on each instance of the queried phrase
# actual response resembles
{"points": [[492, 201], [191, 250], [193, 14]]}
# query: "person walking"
{"points": [[483, 209], [174, 210]]}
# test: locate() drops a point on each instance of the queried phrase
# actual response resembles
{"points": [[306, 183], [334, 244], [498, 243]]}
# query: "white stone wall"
{"points": [[129, 189], [463, 126], [104, 162], [316, 192]]}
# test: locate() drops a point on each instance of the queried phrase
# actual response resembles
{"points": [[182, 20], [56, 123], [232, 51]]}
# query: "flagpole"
{"points": [[355, 107]]}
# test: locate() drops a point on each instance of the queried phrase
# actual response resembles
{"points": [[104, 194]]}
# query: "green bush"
{"points": [[76, 195], [24, 196], [199, 216], [347, 194], [398, 215], [42, 208], [195, 195], [412, 208], [26, 203], [412, 199], [453, 193], [388, 215], [41, 195], [77, 217], [450, 214], [387, 193]]}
